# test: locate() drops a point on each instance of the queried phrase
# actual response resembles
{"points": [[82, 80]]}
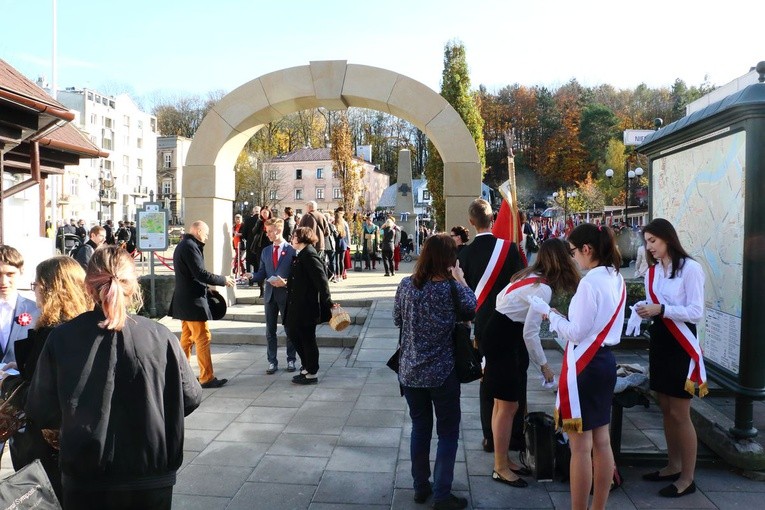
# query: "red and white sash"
{"points": [[575, 359], [529, 280], [490, 274], [697, 374]]}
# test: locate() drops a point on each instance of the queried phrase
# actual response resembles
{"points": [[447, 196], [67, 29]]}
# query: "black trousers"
{"points": [[303, 336], [156, 499]]}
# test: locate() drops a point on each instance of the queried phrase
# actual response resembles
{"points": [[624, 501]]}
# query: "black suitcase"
{"points": [[540, 445]]}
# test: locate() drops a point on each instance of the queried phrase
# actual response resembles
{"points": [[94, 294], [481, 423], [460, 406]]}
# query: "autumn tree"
{"points": [[344, 167], [181, 116], [455, 88], [256, 180]]}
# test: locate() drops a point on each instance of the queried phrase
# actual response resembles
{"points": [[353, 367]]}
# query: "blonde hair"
{"points": [[112, 282], [61, 283]]}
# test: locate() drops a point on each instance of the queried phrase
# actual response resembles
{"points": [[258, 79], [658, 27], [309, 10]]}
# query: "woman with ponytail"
{"points": [[588, 375], [118, 387]]}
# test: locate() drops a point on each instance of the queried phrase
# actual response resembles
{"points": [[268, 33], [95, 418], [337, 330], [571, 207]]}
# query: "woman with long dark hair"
{"points": [[674, 287], [588, 376], [507, 356], [426, 311], [118, 387]]}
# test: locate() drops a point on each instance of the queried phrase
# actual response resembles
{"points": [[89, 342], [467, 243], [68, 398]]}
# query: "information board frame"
{"points": [[151, 238]]}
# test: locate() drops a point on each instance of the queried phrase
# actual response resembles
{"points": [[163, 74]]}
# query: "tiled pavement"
{"points": [[261, 442]]}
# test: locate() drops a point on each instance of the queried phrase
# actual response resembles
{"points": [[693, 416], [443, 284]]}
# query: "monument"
{"points": [[405, 215]]}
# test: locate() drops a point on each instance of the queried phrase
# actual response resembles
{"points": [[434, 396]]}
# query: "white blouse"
{"points": [[683, 295], [592, 306], [515, 306]]}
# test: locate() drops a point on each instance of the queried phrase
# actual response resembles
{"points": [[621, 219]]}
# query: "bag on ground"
{"points": [[540, 445]]}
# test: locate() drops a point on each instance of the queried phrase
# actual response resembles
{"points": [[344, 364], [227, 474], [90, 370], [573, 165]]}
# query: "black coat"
{"points": [[308, 296], [473, 260], [191, 280]]}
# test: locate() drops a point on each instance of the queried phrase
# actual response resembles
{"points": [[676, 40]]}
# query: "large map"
{"points": [[701, 191]]}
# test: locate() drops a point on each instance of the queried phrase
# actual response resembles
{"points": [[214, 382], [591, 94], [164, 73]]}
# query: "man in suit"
{"points": [[17, 313], [275, 264], [248, 229], [498, 260], [189, 302]]}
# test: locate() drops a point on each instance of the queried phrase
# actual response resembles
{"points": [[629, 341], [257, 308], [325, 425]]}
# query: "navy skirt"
{"points": [[596, 389], [668, 361]]}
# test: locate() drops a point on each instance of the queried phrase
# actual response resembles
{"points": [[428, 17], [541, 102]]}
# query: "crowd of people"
{"points": [[507, 305]]}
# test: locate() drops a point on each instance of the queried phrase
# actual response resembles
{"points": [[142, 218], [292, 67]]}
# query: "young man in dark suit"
{"points": [[275, 265], [488, 264]]}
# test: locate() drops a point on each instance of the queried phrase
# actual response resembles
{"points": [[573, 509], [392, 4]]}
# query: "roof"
{"points": [[309, 154], [388, 197], [13, 81]]}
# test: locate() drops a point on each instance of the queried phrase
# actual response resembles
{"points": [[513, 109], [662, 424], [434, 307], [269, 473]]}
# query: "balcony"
{"points": [[140, 191], [108, 196]]}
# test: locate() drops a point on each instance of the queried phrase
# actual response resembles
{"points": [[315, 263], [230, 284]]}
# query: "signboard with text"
{"points": [[636, 136], [151, 227]]}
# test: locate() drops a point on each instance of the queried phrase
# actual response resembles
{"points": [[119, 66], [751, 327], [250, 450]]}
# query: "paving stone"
{"points": [[310, 424], [209, 421], [304, 445], [263, 414], [355, 488], [251, 432], [206, 481], [223, 453], [370, 436], [487, 493], [196, 502], [269, 495], [197, 440], [216, 404], [363, 459], [288, 470], [375, 418]]}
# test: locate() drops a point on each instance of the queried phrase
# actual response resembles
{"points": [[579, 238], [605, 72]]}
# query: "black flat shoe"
{"points": [[656, 477], [214, 383], [488, 445], [520, 483], [670, 491], [422, 496], [523, 471]]}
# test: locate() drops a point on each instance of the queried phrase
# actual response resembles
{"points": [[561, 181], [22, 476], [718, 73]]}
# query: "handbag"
{"points": [[539, 429], [28, 488], [393, 361], [467, 362]]}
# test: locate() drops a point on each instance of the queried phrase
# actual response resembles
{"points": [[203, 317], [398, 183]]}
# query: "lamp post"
{"points": [[630, 175], [565, 195]]}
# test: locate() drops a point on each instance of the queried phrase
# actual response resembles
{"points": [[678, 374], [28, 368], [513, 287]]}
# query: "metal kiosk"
{"points": [[707, 177]]}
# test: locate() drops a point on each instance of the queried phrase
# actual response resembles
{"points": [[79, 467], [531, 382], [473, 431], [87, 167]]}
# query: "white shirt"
{"points": [[7, 307], [592, 306], [516, 307], [683, 295]]}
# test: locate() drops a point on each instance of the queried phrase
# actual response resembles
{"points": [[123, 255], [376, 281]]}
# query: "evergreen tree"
{"points": [[455, 88]]}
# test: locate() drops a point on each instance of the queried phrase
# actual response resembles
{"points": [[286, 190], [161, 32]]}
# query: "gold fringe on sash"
{"points": [[571, 425], [690, 387], [556, 417]]}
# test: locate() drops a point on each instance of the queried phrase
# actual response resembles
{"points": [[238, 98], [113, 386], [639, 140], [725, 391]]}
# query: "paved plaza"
{"points": [[261, 442]]}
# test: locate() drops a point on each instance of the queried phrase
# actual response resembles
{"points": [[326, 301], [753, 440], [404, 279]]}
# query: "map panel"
{"points": [[701, 191], [152, 230]]}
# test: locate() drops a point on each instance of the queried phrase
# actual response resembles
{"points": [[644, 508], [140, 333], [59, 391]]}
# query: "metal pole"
{"points": [[743, 424], [153, 305], [626, 192]]}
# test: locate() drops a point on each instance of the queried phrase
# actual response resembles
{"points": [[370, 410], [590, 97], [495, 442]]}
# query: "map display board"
{"points": [[701, 191], [152, 228]]}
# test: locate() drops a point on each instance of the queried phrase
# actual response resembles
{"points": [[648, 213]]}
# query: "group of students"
{"points": [[90, 371], [507, 304]]}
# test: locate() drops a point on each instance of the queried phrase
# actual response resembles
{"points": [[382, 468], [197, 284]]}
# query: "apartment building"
{"points": [[306, 174], [171, 157], [117, 186]]}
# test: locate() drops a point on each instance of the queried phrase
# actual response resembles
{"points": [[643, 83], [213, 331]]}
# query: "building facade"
{"points": [[117, 186], [171, 157], [306, 174]]}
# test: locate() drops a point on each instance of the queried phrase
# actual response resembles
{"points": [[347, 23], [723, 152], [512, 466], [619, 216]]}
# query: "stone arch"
{"points": [[208, 176]]}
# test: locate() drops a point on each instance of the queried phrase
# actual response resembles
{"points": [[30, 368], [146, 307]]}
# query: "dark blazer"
{"points": [[18, 332], [267, 270], [191, 280], [308, 296], [473, 260]]}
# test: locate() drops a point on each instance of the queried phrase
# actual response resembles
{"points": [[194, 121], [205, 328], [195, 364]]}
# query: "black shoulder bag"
{"points": [[467, 361]]}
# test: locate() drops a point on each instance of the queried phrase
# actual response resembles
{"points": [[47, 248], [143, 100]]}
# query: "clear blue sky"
{"points": [[166, 48]]}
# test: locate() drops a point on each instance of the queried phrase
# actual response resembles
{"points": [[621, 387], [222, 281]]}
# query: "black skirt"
{"points": [[668, 361], [507, 359], [596, 389]]}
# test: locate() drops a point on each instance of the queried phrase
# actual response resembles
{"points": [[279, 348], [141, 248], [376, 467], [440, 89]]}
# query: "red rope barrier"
{"points": [[162, 261]]}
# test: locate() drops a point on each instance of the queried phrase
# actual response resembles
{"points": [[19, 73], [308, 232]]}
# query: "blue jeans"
{"points": [[445, 399], [273, 309]]}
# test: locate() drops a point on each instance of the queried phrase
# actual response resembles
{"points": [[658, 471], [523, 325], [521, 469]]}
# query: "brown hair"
{"points": [[555, 265], [288, 211], [480, 213], [61, 284], [439, 253], [305, 235], [275, 222], [602, 241], [461, 231], [11, 256], [97, 230], [112, 283], [663, 229]]}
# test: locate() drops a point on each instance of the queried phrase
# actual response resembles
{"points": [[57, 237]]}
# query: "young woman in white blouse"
{"points": [[507, 356], [586, 387], [675, 301]]}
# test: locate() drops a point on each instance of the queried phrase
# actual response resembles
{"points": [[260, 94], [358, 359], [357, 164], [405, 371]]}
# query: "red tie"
{"points": [[276, 255]]}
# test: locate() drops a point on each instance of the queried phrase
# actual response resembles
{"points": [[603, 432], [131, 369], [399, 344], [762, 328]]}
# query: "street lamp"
{"points": [[565, 196], [630, 175]]}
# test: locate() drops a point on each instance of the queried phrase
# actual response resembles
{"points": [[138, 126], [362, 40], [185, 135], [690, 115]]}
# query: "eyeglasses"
{"points": [[34, 285], [571, 251]]}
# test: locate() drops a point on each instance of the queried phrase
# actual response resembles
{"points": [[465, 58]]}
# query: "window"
{"points": [[90, 96], [168, 160], [319, 193], [272, 195], [106, 143], [319, 173], [298, 194], [126, 120], [108, 122], [111, 104], [336, 193], [139, 164], [125, 161], [167, 187], [140, 124], [425, 195], [74, 186], [298, 173], [126, 141], [93, 118], [272, 175], [139, 143], [107, 166]]}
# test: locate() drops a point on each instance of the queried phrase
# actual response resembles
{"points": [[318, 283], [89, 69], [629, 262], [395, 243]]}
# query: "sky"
{"points": [[162, 49]]}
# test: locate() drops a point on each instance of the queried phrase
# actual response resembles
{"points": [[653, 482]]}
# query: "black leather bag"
{"points": [[540, 445], [28, 488], [393, 361], [467, 361]]}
